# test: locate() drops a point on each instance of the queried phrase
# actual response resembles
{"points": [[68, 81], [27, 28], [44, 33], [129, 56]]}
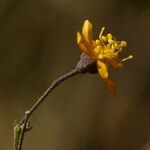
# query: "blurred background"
{"points": [[38, 44]]}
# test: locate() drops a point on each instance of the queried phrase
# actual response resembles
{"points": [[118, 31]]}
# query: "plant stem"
{"points": [[23, 130], [41, 99]]}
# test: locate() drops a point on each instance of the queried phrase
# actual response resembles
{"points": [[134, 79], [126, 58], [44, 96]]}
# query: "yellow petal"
{"points": [[87, 31], [81, 43], [102, 69], [84, 45], [111, 86]]}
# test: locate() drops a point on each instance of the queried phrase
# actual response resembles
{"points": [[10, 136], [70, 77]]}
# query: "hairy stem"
{"points": [[54, 84], [23, 130]]}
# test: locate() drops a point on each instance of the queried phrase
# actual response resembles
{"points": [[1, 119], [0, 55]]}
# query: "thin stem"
{"points": [[41, 99], [23, 130]]}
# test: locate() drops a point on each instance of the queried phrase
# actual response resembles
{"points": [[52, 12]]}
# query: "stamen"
{"points": [[129, 57], [100, 35], [102, 30]]}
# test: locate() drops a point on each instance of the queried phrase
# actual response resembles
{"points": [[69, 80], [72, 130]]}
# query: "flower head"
{"points": [[103, 50]]}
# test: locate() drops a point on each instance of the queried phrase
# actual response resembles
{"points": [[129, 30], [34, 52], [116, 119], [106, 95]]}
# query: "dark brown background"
{"points": [[38, 44]]}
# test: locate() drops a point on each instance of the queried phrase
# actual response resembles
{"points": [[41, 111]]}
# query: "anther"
{"points": [[97, 42], [123, 43]]}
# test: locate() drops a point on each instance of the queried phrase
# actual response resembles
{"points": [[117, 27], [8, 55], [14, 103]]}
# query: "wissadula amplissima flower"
{"points": [[103, 50]]}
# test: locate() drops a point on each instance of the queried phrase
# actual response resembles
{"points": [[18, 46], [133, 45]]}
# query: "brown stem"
{"points": [[23, 130], [41, 99]]}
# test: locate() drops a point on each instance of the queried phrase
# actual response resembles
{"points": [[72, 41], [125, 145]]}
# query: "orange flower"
{"points": [[103, 50]]}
